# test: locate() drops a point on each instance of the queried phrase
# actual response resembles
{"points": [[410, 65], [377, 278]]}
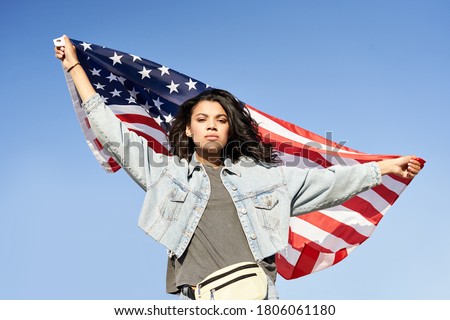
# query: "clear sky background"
{"points": [[374, 73]]}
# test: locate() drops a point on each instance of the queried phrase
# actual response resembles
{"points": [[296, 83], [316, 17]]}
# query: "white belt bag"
{"points": [[240, 281]]}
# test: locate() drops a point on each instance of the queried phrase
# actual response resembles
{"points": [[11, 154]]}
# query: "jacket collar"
{"points": [[231, 167], [193, 164]]}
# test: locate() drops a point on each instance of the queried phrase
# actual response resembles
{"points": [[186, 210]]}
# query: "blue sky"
{"points": [[374, 73]]}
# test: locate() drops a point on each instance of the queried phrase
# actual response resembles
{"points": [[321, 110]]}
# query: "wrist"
{"points": [[386, 166], [73, 66], [68, 63]]}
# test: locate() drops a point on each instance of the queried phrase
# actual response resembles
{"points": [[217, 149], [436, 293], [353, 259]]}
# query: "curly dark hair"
{"points": [[244, 138]]}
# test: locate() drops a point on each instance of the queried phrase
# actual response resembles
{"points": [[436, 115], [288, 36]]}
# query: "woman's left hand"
{"points": [[405, 167]]}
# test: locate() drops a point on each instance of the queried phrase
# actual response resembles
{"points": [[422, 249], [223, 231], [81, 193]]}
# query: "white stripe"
{"points": [[282, 131], [291, 255], [296, 161], [375, 200], [81, 115], [158, 135], [393, 185], [302, 162], [325, 260], [350, 218], [128, 109], [317, 235], [344, 161]]}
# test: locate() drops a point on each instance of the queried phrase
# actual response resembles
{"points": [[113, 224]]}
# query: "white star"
{"points": [[116, 58], [116, 93], [112, 77], [158, 103], [158, 120], [95, 72], [146, 106], [169, 118], [164, 70], [135, 57], [191, 84], [131, 100], [99, 86], [173, 87], [133, 93], [105, 100], [207, 86], [86, 46], [121, 79], [145, 73]]}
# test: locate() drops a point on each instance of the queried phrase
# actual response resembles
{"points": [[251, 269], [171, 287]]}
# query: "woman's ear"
{"points": [[188, 131]]}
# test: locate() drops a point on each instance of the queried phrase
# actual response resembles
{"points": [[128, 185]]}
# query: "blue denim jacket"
{"points": [[265, 196]]}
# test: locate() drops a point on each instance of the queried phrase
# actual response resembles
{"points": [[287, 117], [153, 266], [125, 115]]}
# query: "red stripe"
{"points": [[307, 260], [316, 156], [308, 153], [340, 255], [334, 227], [400, 179], [294, 148], [300, 131], [284, 268], [305, 265], [298, 241], [137, 118], [113, 164], [152, 142], [387, 194], [98, 144], [365, 208]]}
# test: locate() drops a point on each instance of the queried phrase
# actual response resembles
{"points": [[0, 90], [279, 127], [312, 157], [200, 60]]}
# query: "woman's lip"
{"points": [[212, 137]]}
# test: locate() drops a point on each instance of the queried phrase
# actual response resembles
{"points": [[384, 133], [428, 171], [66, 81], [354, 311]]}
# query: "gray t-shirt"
{"points": [[218, 241]]}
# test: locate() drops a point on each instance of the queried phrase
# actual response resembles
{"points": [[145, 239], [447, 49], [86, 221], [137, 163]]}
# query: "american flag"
{"points": [[145, 96]]}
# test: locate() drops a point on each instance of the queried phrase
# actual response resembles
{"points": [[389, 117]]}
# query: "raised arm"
{"points": [[69, 59], [128, 149], [317, 189], [405, 167]]}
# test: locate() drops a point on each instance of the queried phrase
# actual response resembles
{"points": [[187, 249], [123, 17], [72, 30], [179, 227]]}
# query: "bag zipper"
{"points": [[247, 266], [245, 276]]}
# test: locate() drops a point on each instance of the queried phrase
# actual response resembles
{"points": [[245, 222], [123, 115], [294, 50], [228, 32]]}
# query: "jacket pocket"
{"points": [[266, 209], [173, 202]]}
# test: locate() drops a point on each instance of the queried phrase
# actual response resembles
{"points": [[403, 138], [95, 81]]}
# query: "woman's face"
{"points": [[209, 127]]}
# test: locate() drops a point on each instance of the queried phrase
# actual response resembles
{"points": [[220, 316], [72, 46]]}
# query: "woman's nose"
{"points": [[212, 125]]}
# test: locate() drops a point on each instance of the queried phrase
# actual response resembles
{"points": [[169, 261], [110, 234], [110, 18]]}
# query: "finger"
{"points": [[59, 53], [410, 175], [415, 169], [420, 161], [67, 41], [415, 165]]}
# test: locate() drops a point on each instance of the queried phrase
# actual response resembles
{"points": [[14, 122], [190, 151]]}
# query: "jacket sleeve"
{"points": [[316, 189], [126, 147]]}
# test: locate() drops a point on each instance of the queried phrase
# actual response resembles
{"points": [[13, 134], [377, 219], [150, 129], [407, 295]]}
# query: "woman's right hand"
{"points": [[69, 59], [67, 54]]}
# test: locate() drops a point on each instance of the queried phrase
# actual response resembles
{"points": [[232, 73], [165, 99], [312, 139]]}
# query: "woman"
{"points": [[223, 197]]}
